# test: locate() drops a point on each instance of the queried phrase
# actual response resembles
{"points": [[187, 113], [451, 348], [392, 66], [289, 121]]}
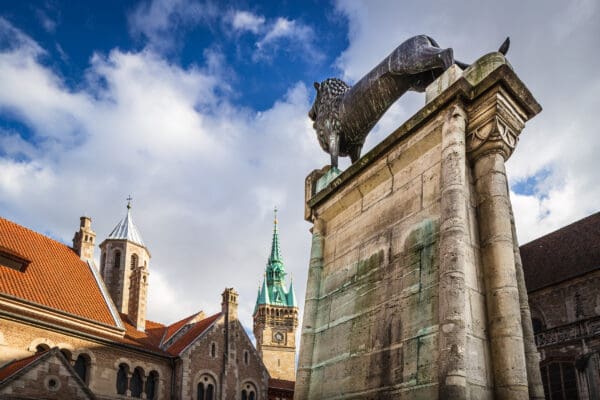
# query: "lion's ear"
{"points": [[316, 85]]}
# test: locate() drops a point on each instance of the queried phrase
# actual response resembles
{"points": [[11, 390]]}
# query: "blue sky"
{"points": [[198, 110]]}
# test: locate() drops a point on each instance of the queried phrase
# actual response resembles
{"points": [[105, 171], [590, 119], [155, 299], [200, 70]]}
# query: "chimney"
{"points": [[84, 240], [229, 305]]}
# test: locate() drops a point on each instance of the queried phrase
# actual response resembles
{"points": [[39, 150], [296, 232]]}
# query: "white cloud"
{"points": [[289, 34], [247, 21], [161, 22], [551, 55], [204, 173]]}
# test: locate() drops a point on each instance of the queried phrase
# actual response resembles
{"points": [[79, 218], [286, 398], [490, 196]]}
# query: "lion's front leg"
{"points": [[334, 148]]}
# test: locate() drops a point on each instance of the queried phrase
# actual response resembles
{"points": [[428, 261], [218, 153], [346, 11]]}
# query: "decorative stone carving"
{"points": [[495, 125]]}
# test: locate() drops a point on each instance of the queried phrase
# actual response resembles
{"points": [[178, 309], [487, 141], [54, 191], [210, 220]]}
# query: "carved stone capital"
{"points": [[495, 122]]}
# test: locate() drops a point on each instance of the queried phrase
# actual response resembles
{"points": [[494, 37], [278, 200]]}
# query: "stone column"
{"points": [[453, 245], [495, 121], [532, 356], [311, 305]]}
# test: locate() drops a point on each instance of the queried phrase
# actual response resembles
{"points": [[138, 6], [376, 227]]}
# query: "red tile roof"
{"points": [[15, 366], [56, 277], [281, 384], [196, 330], [564, 254], [174, 327], [149, 339]]}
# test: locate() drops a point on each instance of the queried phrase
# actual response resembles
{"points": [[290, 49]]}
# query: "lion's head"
{"points": [[325, 109]]}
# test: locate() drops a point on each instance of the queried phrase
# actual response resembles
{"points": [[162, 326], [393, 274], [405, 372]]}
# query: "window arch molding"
{"points": [[40, 341]]}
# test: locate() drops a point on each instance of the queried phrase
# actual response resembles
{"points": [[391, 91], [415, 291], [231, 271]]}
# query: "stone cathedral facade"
{"points": [[69, 331]]}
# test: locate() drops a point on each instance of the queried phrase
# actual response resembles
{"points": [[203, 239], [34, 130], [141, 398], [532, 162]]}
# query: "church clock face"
{"points": [[278, 337]]}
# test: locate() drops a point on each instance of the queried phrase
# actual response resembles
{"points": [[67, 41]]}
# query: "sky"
{"points": [[198, 110]]}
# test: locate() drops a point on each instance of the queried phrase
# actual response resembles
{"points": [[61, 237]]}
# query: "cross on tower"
{"points": [[129, 198]]}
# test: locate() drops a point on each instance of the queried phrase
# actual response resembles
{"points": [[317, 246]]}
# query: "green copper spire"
{"points": [[275, 269], [275, 252], [273, 290]]}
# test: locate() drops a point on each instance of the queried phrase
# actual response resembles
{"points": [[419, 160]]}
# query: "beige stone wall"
{"points": [[20, 340], [377, 325]]}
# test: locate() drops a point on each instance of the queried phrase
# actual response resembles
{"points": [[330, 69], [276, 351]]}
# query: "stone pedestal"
{"points": [[415, 289]]}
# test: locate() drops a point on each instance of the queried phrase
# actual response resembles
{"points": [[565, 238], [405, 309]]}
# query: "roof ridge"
{"points": [[174, 347]]}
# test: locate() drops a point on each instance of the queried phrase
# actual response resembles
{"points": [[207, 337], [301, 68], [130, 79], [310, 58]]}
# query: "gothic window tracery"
{"points": [[559, 380], [206, 388], [249, 392]]}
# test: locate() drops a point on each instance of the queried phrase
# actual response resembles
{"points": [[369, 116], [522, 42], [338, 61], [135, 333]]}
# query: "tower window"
{"points": [[134, 261], [246, 357], [213, 349], [117, 260]]}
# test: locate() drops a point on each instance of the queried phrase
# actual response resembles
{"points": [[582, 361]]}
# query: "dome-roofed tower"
{"points": [[276, 316], [124, 264]]}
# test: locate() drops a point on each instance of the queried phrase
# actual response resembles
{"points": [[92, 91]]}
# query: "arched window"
{"points": [[42, 347], [67, 354], [206, 388], [248, 391], [117, 260], [213, 349], [538, 325], [134, 261], [136, 383], [246, 357], [559, 380], [122, 379], [82, 367], [151, 385]]}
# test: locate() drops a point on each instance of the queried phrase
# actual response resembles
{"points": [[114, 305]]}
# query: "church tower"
{"points": [[124, 268], [84, 240], [276, 317]]}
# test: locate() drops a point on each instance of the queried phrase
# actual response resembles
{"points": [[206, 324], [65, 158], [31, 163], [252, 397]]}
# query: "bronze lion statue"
{"points": [[344, 115]]}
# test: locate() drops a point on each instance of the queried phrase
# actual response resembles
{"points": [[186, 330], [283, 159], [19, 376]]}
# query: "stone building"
{"points": [[562, 271], [275, 322], [68, 331]]}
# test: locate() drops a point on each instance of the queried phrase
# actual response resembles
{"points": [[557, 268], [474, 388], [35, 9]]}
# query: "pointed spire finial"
{"points": [[275, 213], [129, 198]]}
